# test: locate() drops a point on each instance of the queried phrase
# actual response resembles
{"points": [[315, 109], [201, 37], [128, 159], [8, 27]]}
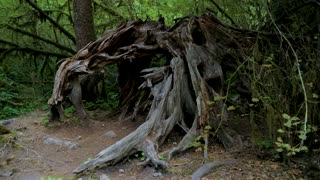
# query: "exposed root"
{"points": [[151, 155], [130, 143], [209, 167], [176, 93], [187, 140]]}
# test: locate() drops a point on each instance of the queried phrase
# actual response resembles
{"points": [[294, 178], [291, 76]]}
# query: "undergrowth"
{"points": [[16, 99], [281, 109]]}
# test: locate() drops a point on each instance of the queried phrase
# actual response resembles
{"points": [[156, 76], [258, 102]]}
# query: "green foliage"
{"points": [[290, 131], [109, 99], [69, 111], [197, 142], [13, 98], [45, 121], [140, 154], [162, 157], [264, 144], [271, 75]]}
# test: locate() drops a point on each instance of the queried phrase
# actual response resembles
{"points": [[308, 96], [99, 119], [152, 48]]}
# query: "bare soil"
{"points": [[28, 157]]}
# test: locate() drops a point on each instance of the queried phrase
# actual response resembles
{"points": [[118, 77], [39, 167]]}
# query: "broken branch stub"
{"points": [[175, 93]]}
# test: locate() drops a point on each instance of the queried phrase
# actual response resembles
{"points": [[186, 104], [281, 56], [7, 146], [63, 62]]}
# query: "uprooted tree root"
{"points": [[175, 93]]}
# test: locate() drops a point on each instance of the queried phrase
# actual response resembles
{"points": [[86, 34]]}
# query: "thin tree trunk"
{"points": [[83, 22]]}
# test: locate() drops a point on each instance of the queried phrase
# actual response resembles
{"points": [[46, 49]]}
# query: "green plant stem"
{"points": [[299, 74], [227, 93]]}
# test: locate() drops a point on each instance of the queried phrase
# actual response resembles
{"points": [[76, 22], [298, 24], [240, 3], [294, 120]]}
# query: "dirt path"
{"points": [[35, 157], [32, 159]]}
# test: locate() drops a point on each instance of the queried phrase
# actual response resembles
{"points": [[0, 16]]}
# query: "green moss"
{"points": [[6, 137], [4, 130]]}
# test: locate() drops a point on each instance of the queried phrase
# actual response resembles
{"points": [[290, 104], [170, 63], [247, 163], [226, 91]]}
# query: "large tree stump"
{"points": [[176, 93]]}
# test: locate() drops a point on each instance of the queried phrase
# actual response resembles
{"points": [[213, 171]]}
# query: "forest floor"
{"points": [[29, 157]]}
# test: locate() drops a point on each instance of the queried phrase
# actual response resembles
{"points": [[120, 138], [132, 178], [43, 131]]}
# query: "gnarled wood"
{"points": [[209, 167], [176, 93]]}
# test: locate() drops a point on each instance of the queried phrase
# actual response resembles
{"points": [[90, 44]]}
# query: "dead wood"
{"points": [[209, 167], [175, 93]]}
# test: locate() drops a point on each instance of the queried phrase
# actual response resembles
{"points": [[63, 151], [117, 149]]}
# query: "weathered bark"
{"points": [[209, 167], [83, 22], [176, 93], [84, 30]]}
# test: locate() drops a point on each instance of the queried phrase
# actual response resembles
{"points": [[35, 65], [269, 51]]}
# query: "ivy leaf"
{"points": [[230, 108], [286, 116], [288, 124], [279, 139], [295, 118], [280, 131], [304, 148], [303, 136], [295, 123], [255, 100], [287, 146], [267, 65], [314, 128], [210, 102], [218, 98]]}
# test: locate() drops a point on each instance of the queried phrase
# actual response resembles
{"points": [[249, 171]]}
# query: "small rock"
{"points": [[121, 170], [67, 144], [6, 174], [104, 177], [34, 114], [157, 174], [110, 134], [174, 143], [8, 121], [80, 178]]}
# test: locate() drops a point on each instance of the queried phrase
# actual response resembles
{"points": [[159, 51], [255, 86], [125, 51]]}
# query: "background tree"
{"points": [[83, 22]]}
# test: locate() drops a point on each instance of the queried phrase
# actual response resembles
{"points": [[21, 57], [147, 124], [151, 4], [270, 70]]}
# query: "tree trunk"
{"points": [[84, 30], [83, 22]]}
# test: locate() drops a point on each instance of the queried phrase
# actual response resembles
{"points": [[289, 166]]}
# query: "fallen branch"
{"points": [[63, 30], [209, 167], [41, 38]]}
